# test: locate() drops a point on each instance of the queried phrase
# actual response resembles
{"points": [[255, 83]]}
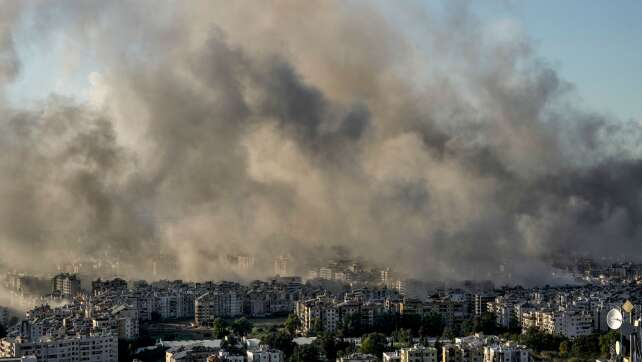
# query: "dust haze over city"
{"points": [[443, 145]]}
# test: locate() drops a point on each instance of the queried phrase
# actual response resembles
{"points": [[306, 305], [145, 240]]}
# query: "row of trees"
{"points": [[487, 324], [331, 345], [582, 347], [403, 329], [326, 344], [240, 327], [351, 326], [429, 325]]}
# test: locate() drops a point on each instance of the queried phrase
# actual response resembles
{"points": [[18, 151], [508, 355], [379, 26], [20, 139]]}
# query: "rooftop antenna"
{"points": [[614, 319], [625, 324]]}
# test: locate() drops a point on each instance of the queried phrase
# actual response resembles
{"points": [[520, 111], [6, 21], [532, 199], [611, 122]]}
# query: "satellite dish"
{"points": [[614, 319]]}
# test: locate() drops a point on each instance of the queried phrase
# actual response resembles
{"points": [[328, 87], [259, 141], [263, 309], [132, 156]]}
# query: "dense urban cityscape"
{"points": [[320, 181], [344, 310]]}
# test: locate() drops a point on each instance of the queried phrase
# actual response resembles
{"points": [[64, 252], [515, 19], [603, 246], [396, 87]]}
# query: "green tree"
{"points": [[317, 326], [374, 343], [351, 325], [327, 342], [403, 337], [292, 324], [438, 346], [470, 326], [565, 348], [306, 353], [220, 328], [586, 346], [386, 322], [432, 324], [241, 326], [449, 333], [411, 322], [607, 340], [279, 340], [540, 341], [487, 324], [231, 344], [513, 325]]}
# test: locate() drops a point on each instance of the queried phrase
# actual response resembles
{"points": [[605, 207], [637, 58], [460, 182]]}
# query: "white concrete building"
{"points": [[265, 355], [506, 353], [48, 349], [19, 359], [223, 356], [391, 356], [67, 284], [418, 354], [212, 305], [189, 353], [569, 324], [326, 273], [358, 357], [320, 312]]}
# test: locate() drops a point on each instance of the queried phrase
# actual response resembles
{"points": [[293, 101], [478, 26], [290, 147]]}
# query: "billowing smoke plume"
{"points": [[444, 149]]}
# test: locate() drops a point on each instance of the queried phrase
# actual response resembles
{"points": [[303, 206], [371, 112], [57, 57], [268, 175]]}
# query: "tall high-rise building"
{"points": [[281, 266], [4, 316], [66, 284], [212, 305]]}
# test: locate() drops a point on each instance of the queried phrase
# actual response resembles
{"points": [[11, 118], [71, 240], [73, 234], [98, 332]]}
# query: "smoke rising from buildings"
{"points": [[445, 148]]}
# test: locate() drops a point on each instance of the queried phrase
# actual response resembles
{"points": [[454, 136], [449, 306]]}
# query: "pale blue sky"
{"points": [[595, 44]]}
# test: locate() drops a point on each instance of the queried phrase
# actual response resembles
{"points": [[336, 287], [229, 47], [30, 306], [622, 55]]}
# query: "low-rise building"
{"points": [[357, 357], [265, 355], [391, 356], [223, 356], [419, 354], [189, 353]]}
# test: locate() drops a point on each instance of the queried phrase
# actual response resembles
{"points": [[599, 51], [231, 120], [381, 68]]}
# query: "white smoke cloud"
{"points": [[217, 129]]}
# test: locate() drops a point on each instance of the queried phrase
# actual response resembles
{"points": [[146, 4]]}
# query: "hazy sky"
{"points": [[455, 136], [596, 45]]}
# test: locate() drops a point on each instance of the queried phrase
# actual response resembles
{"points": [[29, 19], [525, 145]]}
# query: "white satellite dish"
{"points": [[614, 319]]}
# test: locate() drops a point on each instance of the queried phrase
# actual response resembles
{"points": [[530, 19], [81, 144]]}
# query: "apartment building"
{"points": [[100, 348], [321, 312], [216, 304], [265, 355], [506, 353], [66, 284], [4, 316], [418, 354]]}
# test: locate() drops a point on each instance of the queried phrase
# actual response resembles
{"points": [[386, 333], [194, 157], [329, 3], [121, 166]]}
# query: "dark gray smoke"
{"points": [[217, 129]]}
